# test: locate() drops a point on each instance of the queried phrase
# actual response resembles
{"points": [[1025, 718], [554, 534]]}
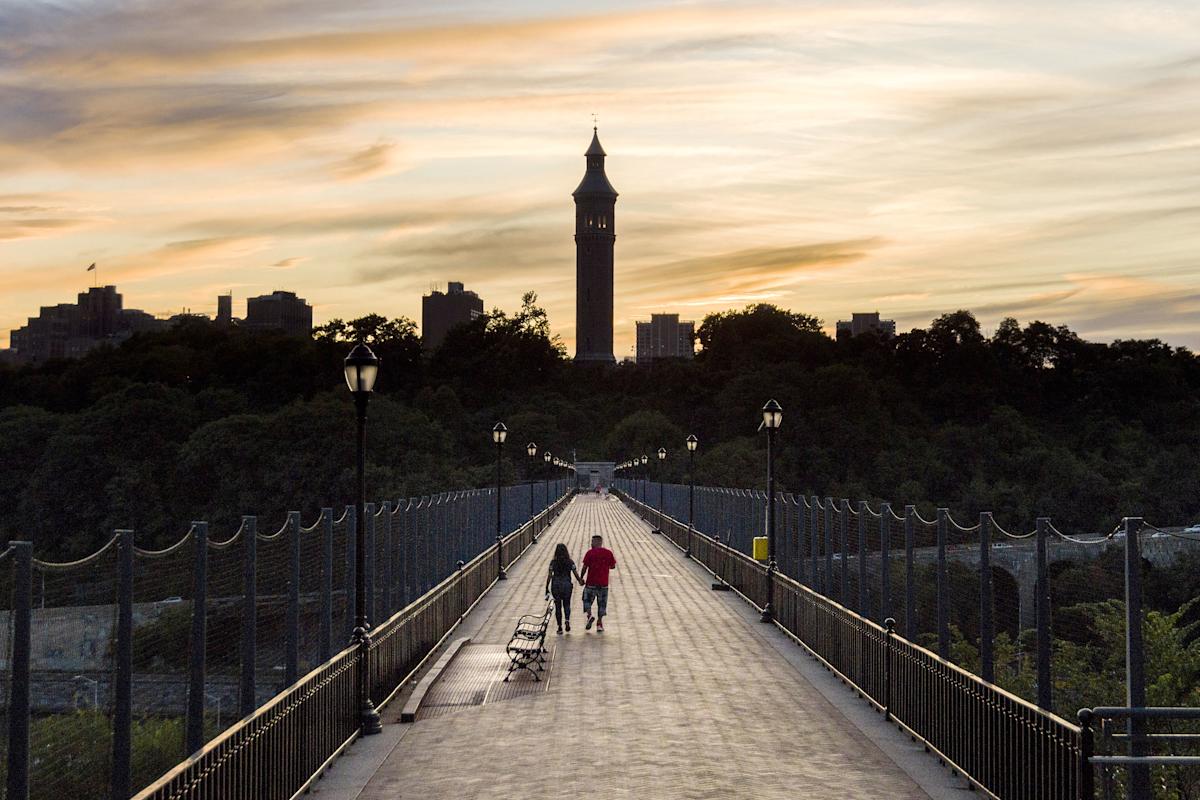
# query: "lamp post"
{"points": [[662, 462], [531, 451], [547, 456], [645, 476], [692, 444], [362, 368], [772, 418], [499, 434]]}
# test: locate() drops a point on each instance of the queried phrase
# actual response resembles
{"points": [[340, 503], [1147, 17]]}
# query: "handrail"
{"points": [[279, 725], [928, 696]]}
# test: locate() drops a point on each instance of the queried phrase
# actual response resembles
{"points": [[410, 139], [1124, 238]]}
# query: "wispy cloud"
{"points": [[1019, 158]]}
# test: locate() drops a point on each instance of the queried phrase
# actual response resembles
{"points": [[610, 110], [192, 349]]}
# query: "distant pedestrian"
{"points": [[559, 585], [596, 564]]}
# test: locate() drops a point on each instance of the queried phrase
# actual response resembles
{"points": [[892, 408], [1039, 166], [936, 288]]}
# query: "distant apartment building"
{"points": [[279, 310], [71, 330], [441, 311], [664, 336], [224, 310], [858, 324]]}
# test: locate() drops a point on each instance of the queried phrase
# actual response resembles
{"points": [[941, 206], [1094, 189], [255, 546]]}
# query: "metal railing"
{"points": [[1142, 755], [279, 750], [1002, 744]]}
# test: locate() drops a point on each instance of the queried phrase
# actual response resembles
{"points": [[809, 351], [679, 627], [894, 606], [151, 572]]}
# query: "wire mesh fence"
{"points": [[1064, 621], [1000, 603], [215, 625]]}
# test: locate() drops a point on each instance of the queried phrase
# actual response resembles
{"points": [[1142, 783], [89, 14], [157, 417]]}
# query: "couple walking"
{"points": [[596, 564]]}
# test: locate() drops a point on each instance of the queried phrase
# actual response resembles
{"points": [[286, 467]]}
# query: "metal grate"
{"points": [[476, 677]]}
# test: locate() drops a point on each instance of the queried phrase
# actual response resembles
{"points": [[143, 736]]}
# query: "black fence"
{"points": [[117, 666], [1004, 745]]}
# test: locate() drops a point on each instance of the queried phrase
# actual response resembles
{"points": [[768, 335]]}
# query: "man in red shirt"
{"points": [[596, 564]]}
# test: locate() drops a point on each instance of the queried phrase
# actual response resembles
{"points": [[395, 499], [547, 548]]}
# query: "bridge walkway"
{"points": [[681, 697]]}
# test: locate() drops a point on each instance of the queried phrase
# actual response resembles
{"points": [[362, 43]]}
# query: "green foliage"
{"points": [[71, 755], [207, 423]]}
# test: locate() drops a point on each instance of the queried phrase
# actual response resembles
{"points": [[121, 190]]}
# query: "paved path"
{"points": [[680, 698]]}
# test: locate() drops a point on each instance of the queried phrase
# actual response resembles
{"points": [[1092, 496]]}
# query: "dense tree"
{"points": [[205, 422]]}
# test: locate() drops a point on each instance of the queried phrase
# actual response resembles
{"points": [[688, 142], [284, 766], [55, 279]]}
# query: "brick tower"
{"points": [[595, 232]]}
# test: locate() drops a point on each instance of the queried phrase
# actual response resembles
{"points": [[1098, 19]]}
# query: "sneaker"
{"points": [[600, 626], [560, 631], [568, 626], [591, 620]]}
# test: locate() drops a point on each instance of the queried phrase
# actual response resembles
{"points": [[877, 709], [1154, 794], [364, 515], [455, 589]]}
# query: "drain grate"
{"points": [[476, 677]]}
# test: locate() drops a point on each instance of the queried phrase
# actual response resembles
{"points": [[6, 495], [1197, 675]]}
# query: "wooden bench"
{"points": [[526, 648]]}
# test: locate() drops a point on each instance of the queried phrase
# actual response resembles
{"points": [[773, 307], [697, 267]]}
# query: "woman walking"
{"points": [[559, 586]]}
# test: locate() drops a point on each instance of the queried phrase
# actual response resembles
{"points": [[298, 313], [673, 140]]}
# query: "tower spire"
{"points": [[595, 234]]}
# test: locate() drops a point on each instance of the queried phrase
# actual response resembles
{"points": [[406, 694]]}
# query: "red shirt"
{"points": [[598, 561]]}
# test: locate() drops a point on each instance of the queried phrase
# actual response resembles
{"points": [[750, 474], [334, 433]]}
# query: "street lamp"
{"points": [[772, 418], [531, 450], [692, 444], [362, 368], [547, 457], [645, 476], [662, 462], [499, 434]]}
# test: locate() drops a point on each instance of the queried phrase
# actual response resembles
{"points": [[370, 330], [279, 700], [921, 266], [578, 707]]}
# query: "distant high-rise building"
{"points": [[441, 311], [224, 309], [664, 336], [595, 234], [70, 331], [866, 323], [282, 311]]}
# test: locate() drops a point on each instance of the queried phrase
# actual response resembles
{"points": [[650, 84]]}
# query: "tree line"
{"points": [[202, 422]]}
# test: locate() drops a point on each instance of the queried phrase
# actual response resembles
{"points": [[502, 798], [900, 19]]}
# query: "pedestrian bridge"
{"points": [[685, 694]]}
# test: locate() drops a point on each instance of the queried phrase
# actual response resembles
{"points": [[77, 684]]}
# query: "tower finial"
{"points": [[594, 123]]}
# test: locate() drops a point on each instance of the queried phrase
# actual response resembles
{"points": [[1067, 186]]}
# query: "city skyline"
{"points": [[912, 158]]}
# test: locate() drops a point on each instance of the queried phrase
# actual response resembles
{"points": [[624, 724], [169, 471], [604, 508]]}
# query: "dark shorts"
{"points": [[600, 594]]}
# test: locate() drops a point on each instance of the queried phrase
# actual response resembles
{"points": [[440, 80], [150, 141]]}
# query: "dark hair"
{"points": [[561, 555]]}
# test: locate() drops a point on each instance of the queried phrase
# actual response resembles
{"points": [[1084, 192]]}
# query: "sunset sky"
{"points": [[1033, 159]]}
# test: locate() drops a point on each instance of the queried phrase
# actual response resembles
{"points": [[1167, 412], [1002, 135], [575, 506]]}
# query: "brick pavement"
{"points": [[680, 698]]}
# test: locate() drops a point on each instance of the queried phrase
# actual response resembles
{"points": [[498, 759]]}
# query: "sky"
{"points": [[1031, 159]]}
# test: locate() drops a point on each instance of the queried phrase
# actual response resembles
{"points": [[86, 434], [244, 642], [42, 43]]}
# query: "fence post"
{"points": [[827, 588], [248, 700], [388, 573], [844, 549], [1087, 748], [369, 564], [291, 665], [1042, 604], [862, 558], [910, 589], [196, 647], [326, 632], [987, 623], [814, 534], [351, 588], [18, 699], [943, 615], [890, 625], [885, 562], [1135, 659], [122, 764]]}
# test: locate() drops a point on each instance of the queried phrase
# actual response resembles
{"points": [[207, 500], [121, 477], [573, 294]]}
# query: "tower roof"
{"points": [[595, 182], [595, 149]]}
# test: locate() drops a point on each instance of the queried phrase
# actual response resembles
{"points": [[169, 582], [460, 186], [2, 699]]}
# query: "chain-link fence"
{"points": [[137, 657], [1066, 621]]}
